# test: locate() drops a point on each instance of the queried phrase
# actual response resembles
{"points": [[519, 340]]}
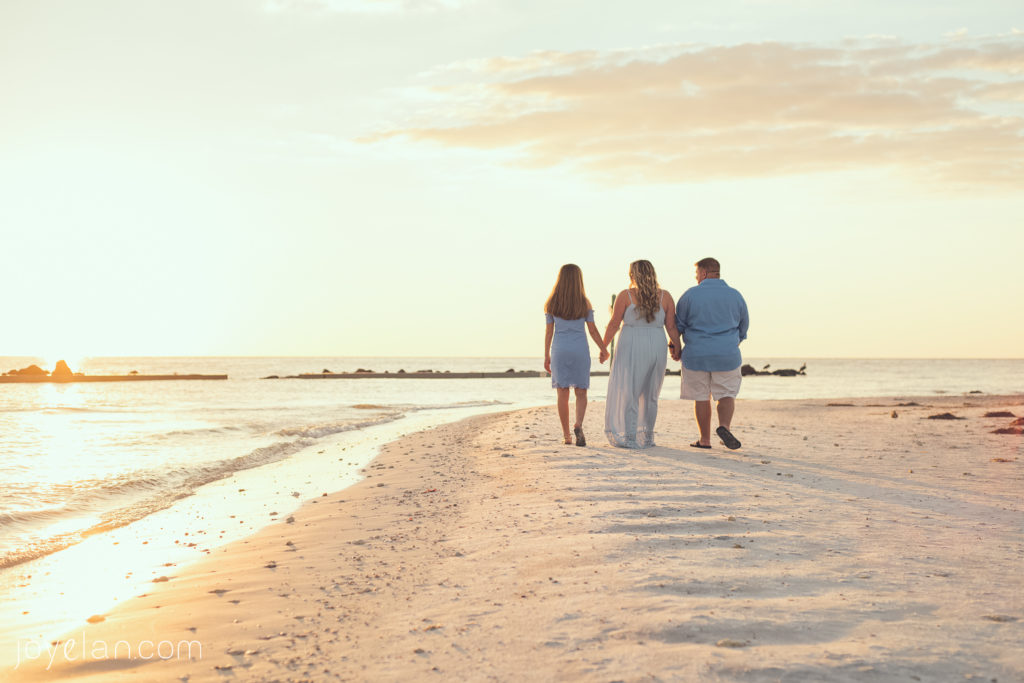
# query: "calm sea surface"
{"points": [[80, 459]]}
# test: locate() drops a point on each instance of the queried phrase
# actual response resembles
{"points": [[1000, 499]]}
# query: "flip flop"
{"points": [[698, 444], [730, 441], [580, 439]]}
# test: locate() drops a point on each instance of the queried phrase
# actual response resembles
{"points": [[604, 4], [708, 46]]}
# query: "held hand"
{"points": [[547, 364], [603, 356]]}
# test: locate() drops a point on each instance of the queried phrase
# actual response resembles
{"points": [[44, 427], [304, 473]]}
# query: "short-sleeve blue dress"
{"points": [[570, 353]]}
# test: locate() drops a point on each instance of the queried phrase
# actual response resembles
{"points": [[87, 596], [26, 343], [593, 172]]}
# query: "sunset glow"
{"points": [[357, 177]]}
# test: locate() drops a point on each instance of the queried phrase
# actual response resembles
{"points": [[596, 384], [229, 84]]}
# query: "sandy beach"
{"points": [[848, 540]]}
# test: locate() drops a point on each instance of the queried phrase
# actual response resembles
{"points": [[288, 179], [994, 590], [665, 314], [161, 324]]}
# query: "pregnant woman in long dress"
{"points": [[645, 312], [566, 352]]}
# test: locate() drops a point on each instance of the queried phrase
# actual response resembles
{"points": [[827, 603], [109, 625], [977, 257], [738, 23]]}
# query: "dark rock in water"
{"points": [[747, 370], [909, 403], [999, 413], [1009, 430], [976, 391], [401, 372], [271, 377], [62, 371], [134, 372], [33, 370], [511, 370], [325, 371], [945, 416], [364, 371]]}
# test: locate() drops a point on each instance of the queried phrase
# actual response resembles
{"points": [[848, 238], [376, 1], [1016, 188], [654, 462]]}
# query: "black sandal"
{"points": [[698, 444], [580, 439], [730, 441]]}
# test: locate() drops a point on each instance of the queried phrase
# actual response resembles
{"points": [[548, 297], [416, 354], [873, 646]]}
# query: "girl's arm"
{"points": [[592, 328], [596, 335], [549, 332]]}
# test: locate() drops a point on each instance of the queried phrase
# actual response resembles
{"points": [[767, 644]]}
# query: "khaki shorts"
{"points": [[698, 384]]}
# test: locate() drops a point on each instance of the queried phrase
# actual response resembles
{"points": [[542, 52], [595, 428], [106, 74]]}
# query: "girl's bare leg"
{"points": [[563, 413], [581, 406], [581, 410]]}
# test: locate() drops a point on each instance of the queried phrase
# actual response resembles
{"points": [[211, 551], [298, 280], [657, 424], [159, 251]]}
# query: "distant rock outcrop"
{"points": [[747, 370], [33, 370], [62, 371]]}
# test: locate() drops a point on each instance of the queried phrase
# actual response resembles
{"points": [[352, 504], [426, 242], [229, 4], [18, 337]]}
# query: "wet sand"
{"points": [[840, 543]]}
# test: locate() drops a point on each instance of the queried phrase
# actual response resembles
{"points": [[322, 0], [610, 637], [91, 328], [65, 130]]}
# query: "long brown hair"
{"points": [[568, 300], [641, 274]]}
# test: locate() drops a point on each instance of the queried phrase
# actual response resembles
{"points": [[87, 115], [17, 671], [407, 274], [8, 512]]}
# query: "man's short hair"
{"points": [[709, 265]]}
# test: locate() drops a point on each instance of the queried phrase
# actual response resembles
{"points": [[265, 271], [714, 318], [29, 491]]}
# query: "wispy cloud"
{"points": [[949, 112]]}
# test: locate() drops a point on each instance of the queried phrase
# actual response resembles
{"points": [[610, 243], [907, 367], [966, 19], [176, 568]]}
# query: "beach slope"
{"points": [[840, 543]]}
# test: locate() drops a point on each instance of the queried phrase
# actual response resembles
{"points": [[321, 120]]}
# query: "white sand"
{"points": [[839, 544]]}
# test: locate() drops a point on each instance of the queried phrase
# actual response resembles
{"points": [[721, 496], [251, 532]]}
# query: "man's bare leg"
{"points": [[726, 407], [702, 411]]}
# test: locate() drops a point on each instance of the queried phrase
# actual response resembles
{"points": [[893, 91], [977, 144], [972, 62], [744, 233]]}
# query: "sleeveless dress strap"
{"points": [[629, 292]]}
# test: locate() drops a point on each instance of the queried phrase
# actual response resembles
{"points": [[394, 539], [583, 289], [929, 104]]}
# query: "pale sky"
{"points": [[378, 177]]}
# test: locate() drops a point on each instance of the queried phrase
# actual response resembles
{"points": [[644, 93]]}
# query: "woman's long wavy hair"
{"points": [[643, 277], [568, 300]]}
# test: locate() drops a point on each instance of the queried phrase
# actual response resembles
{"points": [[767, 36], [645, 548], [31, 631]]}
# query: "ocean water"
{"points": [[78, 460]]}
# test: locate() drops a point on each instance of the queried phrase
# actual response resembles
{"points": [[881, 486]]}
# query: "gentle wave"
{"points": [[21, 517], [174, 485], [133, 495], [460, 404], [320, 430], [57, 410]]}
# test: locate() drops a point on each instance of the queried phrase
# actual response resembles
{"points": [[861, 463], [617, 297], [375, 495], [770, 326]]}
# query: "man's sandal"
{"points": [[730, 441]]}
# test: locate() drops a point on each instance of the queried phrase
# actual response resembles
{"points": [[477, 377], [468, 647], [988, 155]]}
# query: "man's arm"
{"points": [[682, 309], [744, 318]]}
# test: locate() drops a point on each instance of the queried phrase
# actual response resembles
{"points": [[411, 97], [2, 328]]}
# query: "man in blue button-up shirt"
{"points": [[712, 319]]}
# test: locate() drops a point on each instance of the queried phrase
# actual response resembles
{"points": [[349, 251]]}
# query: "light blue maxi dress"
{"points": [[570, 353], [638, 371]]}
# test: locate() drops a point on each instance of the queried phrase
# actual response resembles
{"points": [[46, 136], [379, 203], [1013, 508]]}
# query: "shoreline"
{"points": [[612, 563], [187, 530]]}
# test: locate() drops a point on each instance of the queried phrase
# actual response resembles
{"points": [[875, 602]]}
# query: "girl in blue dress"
{"points": [[566, 352]]}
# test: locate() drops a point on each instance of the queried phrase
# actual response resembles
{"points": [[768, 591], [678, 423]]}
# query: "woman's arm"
{"points": [[549, 332], [616, 321], [668, 305]]}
